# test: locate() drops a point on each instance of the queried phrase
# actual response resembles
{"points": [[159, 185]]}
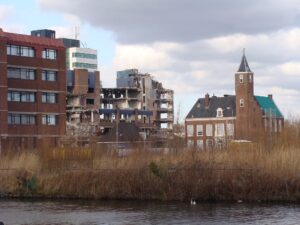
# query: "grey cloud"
{"points": [[193, 24], [137, 21]]}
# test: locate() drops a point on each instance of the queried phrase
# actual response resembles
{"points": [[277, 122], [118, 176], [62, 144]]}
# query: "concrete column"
{"points": [[92, 116]]}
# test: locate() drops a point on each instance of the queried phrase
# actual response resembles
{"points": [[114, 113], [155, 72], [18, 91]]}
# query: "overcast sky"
{"points": [[192, 46]]}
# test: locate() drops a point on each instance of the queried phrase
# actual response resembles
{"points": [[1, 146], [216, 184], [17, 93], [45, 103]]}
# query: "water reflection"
{"points": [[137, 212]]}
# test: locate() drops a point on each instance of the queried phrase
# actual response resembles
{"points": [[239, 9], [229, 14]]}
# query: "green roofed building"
{"points": [[215, 121]]}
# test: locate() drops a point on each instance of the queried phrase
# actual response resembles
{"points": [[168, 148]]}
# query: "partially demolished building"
{"points": [[140, 100], [83, 88]]}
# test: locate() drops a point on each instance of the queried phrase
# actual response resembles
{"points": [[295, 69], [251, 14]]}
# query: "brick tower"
{"points": [[244, 100]]}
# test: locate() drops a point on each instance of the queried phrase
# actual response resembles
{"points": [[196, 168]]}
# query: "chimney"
{"points": [[270, 96], [206, 101]]}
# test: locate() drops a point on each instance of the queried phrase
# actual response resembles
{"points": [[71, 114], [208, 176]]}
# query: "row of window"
{"points": [[25, 51], [218, 143], [26, 96], [49, 97], [20, 51], [219, 130], [84, 65], [21, 73], [30, 74], [27, 119], [83, 55], [49, 75], [49, 54], [20, 96]]}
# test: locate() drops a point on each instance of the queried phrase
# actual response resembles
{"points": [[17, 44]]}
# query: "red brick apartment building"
{"points": [[214, 121], [32, 91]]}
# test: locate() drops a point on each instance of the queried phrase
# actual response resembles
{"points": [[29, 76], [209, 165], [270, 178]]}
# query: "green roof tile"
{"points": [[268, 106]]}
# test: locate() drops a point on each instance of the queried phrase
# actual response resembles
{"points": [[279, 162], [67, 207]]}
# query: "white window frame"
{"points": [[219, 112], [230, 128], [219, 130], [241, 78], [200, 144], [199, 129], [50, 120], [242, 102], [209, 130], [190, 130]]}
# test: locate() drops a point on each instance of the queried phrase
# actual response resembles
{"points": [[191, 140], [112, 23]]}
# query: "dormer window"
{"points": [[219, 112], [198, 105], [241, 78]]}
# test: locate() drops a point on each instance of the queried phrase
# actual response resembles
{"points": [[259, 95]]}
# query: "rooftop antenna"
{"points": [[77, 32]]}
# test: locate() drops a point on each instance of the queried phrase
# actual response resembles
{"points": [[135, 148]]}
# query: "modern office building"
{"points": [[32, 90], [81, 58]]}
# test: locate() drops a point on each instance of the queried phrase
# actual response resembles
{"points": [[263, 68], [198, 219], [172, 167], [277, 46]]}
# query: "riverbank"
{"points": [[248, 173]]}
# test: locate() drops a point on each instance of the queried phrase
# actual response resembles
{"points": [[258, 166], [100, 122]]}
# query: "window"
{"points": [[241, 78], [20, 96], [275, 125], [266, 124], [49, 97], [279, 125], [250, 78], [49, 119], [49, 54], [219, 112], [242, 103], [209, 130], [20, 51], [23, 119], [83, 55], [219, 130], [190, 143], [48, 75], [199, 130], [20, 73], [230, 128], [200, 144], [84, 65], [209, 144], [90, 101], [90, 90], [190, 130], [220, 143]]}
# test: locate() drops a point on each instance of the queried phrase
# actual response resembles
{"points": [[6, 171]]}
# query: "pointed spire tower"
{"points": [[244, 67], [244, 98]]}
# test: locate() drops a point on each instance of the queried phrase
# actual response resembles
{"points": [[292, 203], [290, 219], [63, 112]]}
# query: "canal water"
{"points": [[143, 212]]}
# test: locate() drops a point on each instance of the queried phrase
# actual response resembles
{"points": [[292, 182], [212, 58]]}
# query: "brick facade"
{"points": [[34, 135], [252, 117]]}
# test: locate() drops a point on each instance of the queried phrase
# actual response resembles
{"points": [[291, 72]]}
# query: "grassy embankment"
{"points": [[251, 173]]}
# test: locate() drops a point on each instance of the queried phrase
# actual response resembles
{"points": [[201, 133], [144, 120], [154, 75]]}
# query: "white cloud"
{"points": [[142, 56], [291, 68]]}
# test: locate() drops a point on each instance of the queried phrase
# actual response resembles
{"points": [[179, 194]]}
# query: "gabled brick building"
{"points": [[32, 91], [214, 121]]}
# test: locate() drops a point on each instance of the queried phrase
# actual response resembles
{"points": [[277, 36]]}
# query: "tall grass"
{"points": [[251, 173]]}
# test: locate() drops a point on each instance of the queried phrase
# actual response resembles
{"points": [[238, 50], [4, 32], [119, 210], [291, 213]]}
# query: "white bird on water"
{"points": [[193, 202]]}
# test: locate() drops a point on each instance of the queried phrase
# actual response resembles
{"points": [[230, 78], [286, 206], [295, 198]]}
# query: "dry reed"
{"points": [[251, 173]]}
